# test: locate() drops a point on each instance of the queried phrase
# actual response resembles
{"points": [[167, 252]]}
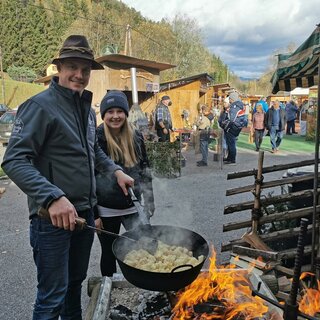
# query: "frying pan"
{"points": [[161, 281]]}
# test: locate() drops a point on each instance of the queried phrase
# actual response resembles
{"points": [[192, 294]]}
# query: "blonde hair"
{"points": [[121, 148]]}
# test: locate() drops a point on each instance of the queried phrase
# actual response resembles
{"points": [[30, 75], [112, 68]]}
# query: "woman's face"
{"points": [[114, 118]]}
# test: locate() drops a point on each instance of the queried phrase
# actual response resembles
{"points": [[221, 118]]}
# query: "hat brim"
{"points": [[94, 64]]}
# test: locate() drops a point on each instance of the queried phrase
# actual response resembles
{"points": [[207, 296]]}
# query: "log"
{"points": [[267, 201], [254, 253], [280, 216], [278, 167], [270, 184], [250, 261], [255, 241]]}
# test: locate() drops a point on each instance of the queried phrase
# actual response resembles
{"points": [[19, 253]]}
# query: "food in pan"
{"points": [[165, 259]]}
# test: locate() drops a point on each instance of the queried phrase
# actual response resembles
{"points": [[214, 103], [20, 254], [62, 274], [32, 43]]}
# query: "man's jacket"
{"points": [[53, 149], [269, 116]]}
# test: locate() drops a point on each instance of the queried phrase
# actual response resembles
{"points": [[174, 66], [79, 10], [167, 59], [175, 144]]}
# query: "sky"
{"points": [[245, 34]]}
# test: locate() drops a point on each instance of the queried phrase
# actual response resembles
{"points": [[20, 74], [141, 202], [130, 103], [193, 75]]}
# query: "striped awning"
{"points": [[300, 68]]}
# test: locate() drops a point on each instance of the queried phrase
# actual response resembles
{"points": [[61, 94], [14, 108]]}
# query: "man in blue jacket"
{"points": [[51, 156], [236, 119]]}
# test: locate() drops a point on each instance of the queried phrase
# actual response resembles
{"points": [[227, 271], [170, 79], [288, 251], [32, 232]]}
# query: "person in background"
{"points": [[203, 125], [163, 122], [235, 114], [51, 156], [223, 116], [263, 102], [258, 125], [126, 147], [275, 122], [291, 114]]}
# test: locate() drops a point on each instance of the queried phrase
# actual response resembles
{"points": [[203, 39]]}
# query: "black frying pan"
{"points": [[161, 281]]}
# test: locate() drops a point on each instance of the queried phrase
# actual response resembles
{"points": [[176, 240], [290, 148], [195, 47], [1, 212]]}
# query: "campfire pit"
{"points": [[129, 302]]}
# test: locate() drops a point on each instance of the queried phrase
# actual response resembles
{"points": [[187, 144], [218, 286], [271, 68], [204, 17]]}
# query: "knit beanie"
{"points": [[234, 96], [114, 99]]}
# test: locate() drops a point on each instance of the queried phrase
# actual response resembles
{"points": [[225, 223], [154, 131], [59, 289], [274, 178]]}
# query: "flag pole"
{"points": [[315, 254]]}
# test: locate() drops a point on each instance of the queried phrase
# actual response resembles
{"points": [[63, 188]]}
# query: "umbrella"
{"points": [[302, 69]]}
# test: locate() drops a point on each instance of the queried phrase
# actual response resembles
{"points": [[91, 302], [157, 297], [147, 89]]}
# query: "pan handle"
{"points": [[182, 266], [132, 195]]}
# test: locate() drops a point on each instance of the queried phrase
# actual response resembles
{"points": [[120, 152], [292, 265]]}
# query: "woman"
{"points": [[126, 147]]}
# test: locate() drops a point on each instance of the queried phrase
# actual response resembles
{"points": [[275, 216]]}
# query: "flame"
{"points": [[231, 287], [310, 301]]}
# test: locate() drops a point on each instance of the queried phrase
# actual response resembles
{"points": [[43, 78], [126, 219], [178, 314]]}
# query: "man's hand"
{"points": [[63, 214], [165, 130], [124, 181]]}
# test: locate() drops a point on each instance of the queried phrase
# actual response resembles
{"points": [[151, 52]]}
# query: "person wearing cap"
{"points": [[163, 122], [235, 116], [52, 156], [275, 122], [125, 145]]}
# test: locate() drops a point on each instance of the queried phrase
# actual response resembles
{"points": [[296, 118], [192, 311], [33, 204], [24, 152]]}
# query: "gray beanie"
{"points": [[114, 99], [234, 96]]}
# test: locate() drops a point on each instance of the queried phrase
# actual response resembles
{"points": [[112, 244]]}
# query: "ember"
{"points": [[230, 287]]}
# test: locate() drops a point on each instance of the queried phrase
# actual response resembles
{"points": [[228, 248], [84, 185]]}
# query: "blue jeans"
{"points": [[275, 137], [204, 150], [231, 141], [62, 259]]}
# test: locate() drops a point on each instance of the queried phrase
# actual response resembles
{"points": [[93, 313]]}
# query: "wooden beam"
{"points": [[270, 184], [274, 217], [278, 167], [271, 200]]}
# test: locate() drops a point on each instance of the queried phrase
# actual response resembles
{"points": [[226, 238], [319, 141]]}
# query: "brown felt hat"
{"points": [[77, 46]]}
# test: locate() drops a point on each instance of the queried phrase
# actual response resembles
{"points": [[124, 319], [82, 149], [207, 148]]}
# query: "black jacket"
{"points": [[109, 194], [53, 149]]}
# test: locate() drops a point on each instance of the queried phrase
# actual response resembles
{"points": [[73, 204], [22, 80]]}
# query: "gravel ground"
{"points": [[195, 201]]}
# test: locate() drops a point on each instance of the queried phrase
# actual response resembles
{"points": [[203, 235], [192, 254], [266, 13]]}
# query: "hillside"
{"points": [[17, 92]]}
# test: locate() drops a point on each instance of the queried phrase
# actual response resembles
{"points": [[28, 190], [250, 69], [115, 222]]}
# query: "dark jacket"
{"points": [[109, 194], [269, 115], [53, 149]]}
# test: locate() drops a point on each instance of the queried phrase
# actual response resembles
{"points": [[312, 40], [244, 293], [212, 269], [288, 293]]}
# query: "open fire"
{"points": [[221, 293], [310, 301]]}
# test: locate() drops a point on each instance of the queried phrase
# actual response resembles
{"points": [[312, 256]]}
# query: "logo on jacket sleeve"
{"points": [[17, 127]]}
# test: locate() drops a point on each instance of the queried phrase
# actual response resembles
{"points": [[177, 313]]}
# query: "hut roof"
{"points": [[183, 81]]}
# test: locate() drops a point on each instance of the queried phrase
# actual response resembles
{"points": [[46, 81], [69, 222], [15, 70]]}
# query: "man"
{"points": [[52, 155], [275, 122], [203, 124], [163, 123], [291, 114], [236, 119]]}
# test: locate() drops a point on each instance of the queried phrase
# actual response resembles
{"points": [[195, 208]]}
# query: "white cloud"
{"points": [[244, 33]]}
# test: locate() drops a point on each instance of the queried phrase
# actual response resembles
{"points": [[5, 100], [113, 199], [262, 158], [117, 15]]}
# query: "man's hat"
{"points": [[165, 98], [77, 46]]}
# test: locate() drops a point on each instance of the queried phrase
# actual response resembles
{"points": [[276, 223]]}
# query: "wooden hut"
{"points": [[187, 94]]}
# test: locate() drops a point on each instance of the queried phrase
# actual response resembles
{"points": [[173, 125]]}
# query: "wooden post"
{"points": [[253, 238], [2, 76]]}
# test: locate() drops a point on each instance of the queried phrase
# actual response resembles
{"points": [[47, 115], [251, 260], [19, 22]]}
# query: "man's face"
{"points": [[74, 74], [167, 102]]}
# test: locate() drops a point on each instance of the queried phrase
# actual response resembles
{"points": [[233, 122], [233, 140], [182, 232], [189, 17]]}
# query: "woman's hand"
{"points": [[124, 181]]}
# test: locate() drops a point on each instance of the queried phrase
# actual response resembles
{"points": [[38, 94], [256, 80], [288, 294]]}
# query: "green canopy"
{"points": [[300, 68]]}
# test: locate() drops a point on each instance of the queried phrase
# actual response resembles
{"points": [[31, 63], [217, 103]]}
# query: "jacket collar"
{"points": [[68, 93]]}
